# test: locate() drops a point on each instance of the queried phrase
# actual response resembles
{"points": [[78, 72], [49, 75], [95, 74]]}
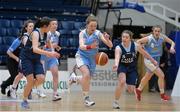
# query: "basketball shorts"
{"points": [[131, 74], [49, 62], [88, 61], [150, 67]]}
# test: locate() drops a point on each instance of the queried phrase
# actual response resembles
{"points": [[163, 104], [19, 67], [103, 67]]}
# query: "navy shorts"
{"points": [[131, 74], [20, 66], [31, 64]]}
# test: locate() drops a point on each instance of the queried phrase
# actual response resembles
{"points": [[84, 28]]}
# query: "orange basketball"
{"points": [[101, 58]]}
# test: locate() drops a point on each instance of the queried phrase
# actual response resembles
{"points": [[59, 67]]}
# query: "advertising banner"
{"points": [[104, 80]]}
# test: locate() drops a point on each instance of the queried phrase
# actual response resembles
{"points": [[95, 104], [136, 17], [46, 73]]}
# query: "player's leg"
{"points": [[150, 68], [160, 75], [53, 63], [14, 86], [119, 89]]}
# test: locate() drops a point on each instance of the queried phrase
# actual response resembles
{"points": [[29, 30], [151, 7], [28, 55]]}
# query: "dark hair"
{"points": [[157, 26], [90, 18], [44, 21], [23, 30], [128, 32], [53, 19]]}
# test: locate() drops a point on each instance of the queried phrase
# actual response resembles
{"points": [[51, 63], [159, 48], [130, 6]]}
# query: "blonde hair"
{"points": [[90, 18]]}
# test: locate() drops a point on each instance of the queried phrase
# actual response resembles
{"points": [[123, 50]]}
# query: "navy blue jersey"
{"points": [[31, 61], [42, 41], [128, 58], [127, 63], [27, 49]]}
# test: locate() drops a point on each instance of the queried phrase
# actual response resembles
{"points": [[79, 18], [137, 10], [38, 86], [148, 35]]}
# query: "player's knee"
{"points": [[55, 75], [87, 77], [161, 76], [21, 76], [41, 78], [30, 79]]}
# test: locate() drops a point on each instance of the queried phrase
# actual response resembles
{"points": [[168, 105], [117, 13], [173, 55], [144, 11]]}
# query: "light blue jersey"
{"points": [[89, 39], [49, 61], [53, 37], [87, 57], [16, 43], [154, 46]]}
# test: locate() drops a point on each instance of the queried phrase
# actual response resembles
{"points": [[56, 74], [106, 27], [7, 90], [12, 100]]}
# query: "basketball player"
{"points": [[85, 56], [125, 64], [31, 53], [51, 63], [26, 30], [13, 57], [153, 45]]}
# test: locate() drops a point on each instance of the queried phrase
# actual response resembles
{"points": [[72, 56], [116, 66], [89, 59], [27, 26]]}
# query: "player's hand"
{"points": [[58, 48], [17, 59], [172, 50], [53, 54], [162, 65], [115, 67]]}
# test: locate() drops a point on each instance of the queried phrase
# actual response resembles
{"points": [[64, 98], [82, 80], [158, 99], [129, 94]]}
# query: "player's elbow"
{"points": [[35, 49], [9, 53], [111, 45], [138, 42]]}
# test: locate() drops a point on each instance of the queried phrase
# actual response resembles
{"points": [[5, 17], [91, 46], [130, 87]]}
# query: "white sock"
{"points": [[140, 87], [79, 77], [39, 88], [85, 94], [161, 91], [116, 101]]}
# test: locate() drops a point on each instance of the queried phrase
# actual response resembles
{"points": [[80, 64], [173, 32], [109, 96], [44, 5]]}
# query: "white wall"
{"points": [[137, 17], [173, 4]]}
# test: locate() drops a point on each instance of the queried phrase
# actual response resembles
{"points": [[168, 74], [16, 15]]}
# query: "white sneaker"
{"points": [[88, 102], [13, 93], [115, 105], [72, 79], [41, 94], [56, 97]]}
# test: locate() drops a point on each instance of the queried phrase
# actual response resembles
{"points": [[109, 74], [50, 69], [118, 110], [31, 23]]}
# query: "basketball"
{"points": [[101, 58]]}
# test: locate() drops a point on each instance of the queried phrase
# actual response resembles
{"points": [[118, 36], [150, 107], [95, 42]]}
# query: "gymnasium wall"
{"points": [[137, 17], [104, 80], [173, 4]]}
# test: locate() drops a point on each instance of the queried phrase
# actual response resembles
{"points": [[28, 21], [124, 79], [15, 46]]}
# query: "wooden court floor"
{"points": [[73, 102]]}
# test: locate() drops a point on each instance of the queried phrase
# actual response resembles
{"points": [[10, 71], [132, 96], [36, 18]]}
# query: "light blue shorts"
{"points": [[150, 67], [88, 61], [49, 62]]}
